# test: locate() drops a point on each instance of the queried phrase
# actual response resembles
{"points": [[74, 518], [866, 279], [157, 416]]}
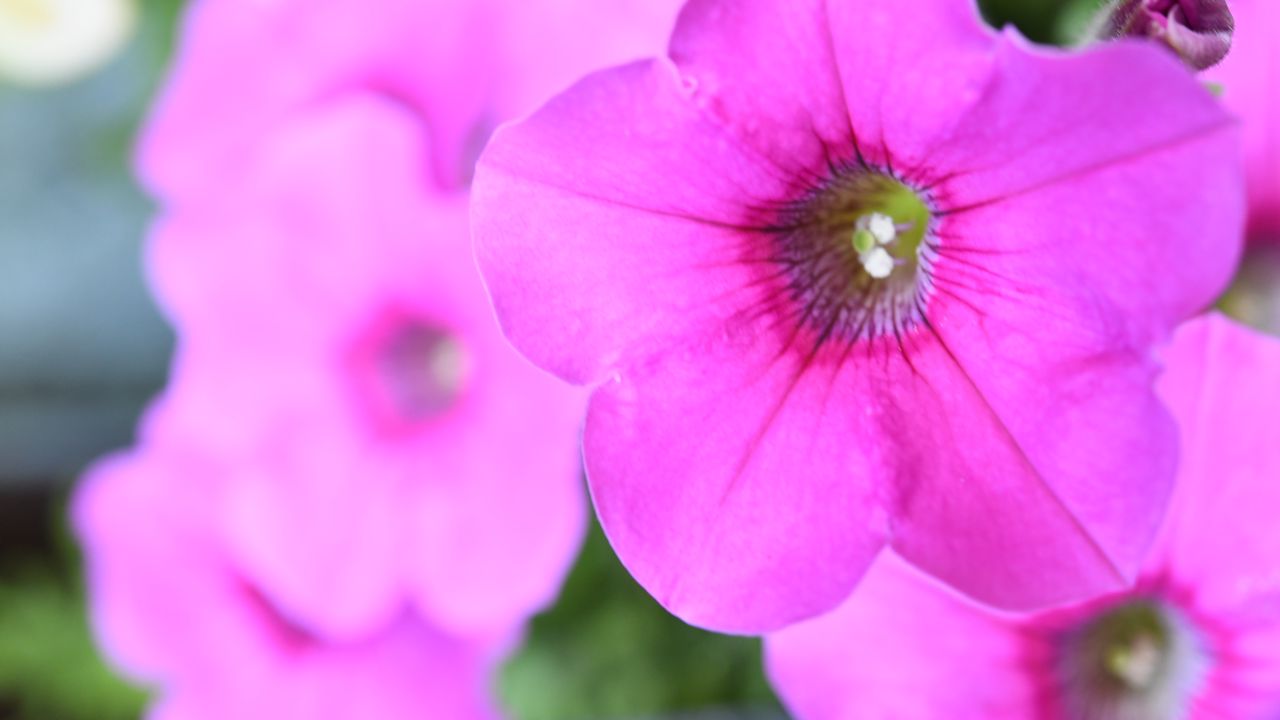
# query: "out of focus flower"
{"points": [[173, 607], [335, 340], [1198, 638], [385, 459], [1250, 82], [46, 42], [1199, 31], [703, 237], [463, 65]]}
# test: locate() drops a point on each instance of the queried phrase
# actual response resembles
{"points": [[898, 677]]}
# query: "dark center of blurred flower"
{"points": [[1134, 661], [423, 370], [856, 252]]}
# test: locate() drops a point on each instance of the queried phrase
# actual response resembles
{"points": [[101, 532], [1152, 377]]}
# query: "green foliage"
{"points": [[607, 650], [48, 663], [1056, 22]]}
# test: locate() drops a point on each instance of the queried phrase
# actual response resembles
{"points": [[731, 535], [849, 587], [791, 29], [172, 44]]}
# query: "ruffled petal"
{"points": [[608, 225], [765, 72]]}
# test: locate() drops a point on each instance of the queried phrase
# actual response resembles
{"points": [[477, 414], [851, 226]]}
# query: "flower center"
{"points": [[1134, 661], [856, 254], [423, 370]]}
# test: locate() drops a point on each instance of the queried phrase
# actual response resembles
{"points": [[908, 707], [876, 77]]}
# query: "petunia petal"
{"points": [[275, 59], [902, 647], [596, 258], [1050, 141], [1048, 322], [1249, 79], [734, 480], [163, 602], [958, 460], [910, 69], [495, 504], [1223, 385], [782, 98], [402, 672]]}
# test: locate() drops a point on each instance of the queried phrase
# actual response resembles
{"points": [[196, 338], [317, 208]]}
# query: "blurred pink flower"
{"points": [[336, 347], [859, 273], [173, 608], [244, 66], [1198, 638], [1250, 80]]}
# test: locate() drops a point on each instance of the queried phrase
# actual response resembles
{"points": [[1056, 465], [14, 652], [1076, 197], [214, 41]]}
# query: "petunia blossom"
{"points": [[703, 238], [1250, 83], [336, 348], [173, 608], [1197, 638], [244, 66]]}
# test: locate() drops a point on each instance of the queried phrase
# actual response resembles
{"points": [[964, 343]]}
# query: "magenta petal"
{"points": [[275, 58], [783, 98], [1224, 384], [301, 536], [408, 671], [171, 607], [734, 481], [596, 258], [343, 507], [910, 69], [463, 65], [163, 602], [1072, 512], [1250, 81], [495, 507], [902, 647], [1080, 155], [1048, 322]]}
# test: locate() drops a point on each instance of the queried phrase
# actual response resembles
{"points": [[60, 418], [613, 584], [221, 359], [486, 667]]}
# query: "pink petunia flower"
{"points": [[336, 347], [1250, 81], [1198, 638], [173, 608], [243, 67], [865, 272]]}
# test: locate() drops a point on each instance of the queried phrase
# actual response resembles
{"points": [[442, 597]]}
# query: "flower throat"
{"points": [[856, 253]]}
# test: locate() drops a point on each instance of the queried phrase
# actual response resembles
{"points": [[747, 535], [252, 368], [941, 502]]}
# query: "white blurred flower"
{"points": [[46, 42]]}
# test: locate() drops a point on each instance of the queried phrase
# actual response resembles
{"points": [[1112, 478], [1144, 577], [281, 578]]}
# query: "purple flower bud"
{"points": [[1199, 31]]}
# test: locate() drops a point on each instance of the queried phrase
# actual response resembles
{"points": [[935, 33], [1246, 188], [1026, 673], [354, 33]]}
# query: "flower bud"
{"points": [[1199, 31]]}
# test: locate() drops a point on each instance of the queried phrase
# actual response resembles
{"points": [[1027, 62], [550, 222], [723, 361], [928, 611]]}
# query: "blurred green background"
{"points": [[83, 349]]}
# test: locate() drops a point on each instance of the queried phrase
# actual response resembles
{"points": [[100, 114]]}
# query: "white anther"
{"points": [[877, 262], [882, 227]]}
